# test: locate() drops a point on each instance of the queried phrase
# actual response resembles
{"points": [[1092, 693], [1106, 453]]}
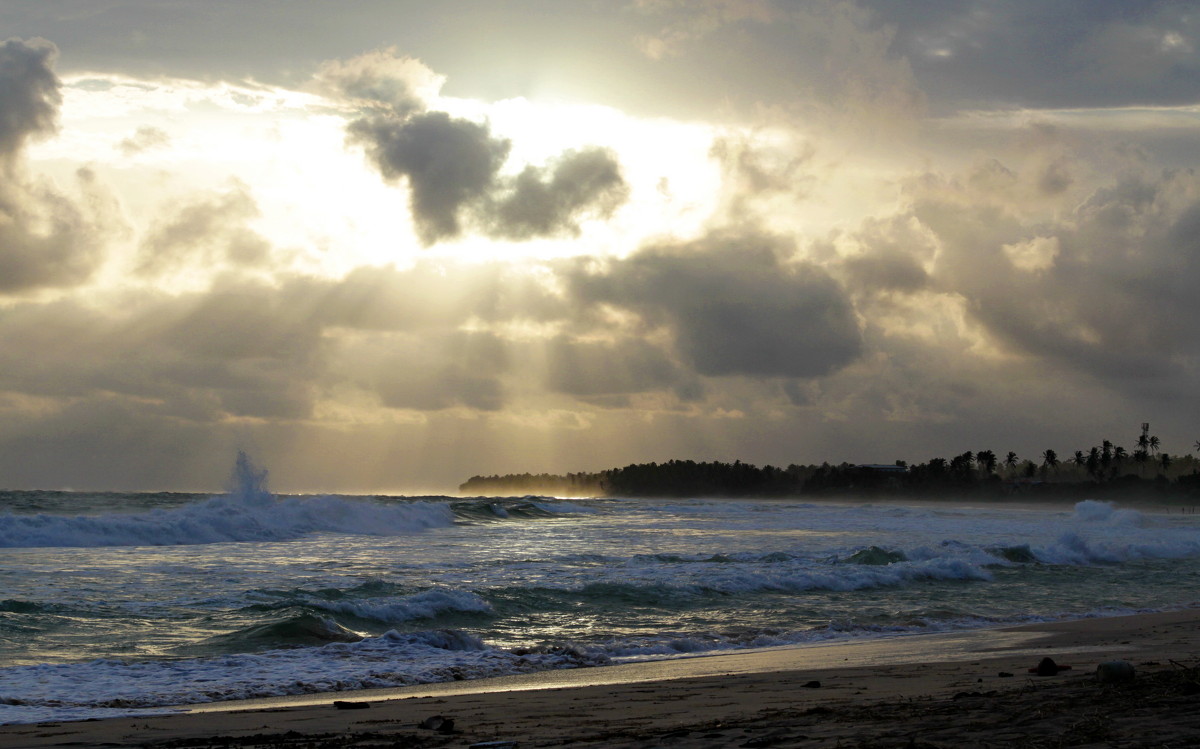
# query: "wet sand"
{"points": [[962, 690]]}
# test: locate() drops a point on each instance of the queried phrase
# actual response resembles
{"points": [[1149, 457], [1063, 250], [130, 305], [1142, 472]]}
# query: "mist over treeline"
{"points": [[1106, 469]]}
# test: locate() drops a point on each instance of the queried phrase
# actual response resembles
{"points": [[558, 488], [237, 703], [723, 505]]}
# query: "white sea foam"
{"points": [[1074, 548], [1094, 511], [100, 687]]}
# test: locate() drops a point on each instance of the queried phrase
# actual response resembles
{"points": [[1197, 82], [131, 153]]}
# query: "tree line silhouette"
{"points": [[1106, 468]]}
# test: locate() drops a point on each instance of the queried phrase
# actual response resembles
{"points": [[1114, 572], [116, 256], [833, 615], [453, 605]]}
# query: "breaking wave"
{"points": [[391, 660], [235, 517], [384, 609]]}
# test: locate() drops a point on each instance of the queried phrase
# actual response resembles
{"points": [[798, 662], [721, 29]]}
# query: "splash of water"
{"points": [[248, 480]]}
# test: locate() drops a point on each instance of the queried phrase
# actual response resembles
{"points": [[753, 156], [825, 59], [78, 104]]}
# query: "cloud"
{"points": [[1027, 53], [698, 21], [281, 351], [450, 164], [403, 85], [758, 168], [732, 306], [1104, 289], [430, 372], [763, 175], [452, 167], [827, 60], [29, 92], [46, 240], [886, 270], [429, 297], [591, 370], [209, 230], [144, 139], [549, 201], [234, 350]]}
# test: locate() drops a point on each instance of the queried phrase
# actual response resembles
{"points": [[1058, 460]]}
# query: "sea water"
{"points": [[118, 604]]}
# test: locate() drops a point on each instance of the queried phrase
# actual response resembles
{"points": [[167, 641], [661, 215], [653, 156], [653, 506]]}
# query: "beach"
{"points": [[941, 690]]}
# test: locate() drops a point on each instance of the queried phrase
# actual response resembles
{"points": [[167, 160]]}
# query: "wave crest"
{"points": [[237, 517]]}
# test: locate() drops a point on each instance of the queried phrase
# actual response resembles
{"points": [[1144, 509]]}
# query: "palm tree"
{"points": [[1119, 455], [1093, 462], [1154, 443], [1049, 460], [986, 459], [1078, 459], [1140, 457], [1197, 445], [1010, 460], [1143, 441]]}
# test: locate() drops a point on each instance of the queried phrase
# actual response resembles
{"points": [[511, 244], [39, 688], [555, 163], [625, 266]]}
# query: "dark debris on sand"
{"points": [[297, 740], [1158, 711]]}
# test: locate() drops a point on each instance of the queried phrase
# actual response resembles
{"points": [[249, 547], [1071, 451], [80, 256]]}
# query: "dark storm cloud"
{"points": [[197, 357], [45, 239], [452, 168], [449, 163], [1108, 289], [452, 165], [886, 270], [894, 253], [1072, 53], [587, 369], [733, 307], [549, 201], [29, 92], [209, 230]]}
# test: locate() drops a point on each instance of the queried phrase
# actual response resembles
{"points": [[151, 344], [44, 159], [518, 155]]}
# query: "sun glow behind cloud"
{"points": [[317, 201]]}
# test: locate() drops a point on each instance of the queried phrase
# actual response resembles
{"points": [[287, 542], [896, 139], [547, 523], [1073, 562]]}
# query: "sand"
{"points": [[952, 690]]}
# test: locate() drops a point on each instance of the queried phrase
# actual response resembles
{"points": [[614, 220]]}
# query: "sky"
{"points": [[383, 246]]}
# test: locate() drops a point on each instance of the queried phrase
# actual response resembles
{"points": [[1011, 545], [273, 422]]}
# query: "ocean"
{"points": [[120, 604]]}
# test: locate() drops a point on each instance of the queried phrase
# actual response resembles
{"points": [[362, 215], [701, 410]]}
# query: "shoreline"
{"points": [[700, 701]]}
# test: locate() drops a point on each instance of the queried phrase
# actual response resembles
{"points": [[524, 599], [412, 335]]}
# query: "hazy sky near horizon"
{"points": [[387, 245]]}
